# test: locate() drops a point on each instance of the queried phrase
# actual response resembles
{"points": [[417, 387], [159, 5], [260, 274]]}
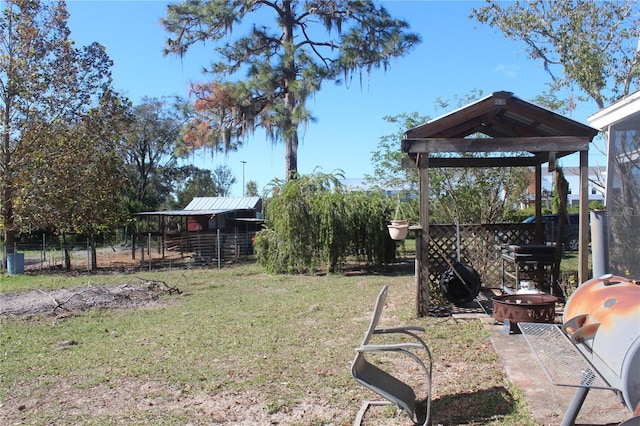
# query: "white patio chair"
{"points": [[384, 383]]}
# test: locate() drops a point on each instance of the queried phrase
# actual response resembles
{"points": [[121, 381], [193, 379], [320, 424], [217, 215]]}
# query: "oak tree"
{"points": [[203, 183], [48, 88], [148, 150], [73, 180], [593, 46], [588, 44]]}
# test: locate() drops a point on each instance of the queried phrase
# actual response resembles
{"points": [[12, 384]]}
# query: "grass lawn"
{"points": [[238, 346]]}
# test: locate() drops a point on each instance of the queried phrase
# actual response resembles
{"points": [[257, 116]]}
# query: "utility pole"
{"points": [[243, 188]]}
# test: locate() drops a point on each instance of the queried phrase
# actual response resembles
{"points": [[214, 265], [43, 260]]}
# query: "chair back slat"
{"points": [[377, 313]]}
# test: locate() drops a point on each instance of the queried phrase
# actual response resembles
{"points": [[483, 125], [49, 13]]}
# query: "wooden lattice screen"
{"points": [[480, 247]]}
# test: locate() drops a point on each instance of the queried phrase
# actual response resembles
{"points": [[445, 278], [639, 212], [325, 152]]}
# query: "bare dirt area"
{"points": [[131, 400], [136, 293]]}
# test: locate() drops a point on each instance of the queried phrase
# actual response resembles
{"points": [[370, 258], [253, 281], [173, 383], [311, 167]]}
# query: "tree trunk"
{"points": [[8, 223], [290, 130], [92, 253], [292, 156], [6, 189], [66, 254], [9, 245], [67, 258]]}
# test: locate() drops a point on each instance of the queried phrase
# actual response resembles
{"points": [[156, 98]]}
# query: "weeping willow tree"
{"points": [[311, 223]]}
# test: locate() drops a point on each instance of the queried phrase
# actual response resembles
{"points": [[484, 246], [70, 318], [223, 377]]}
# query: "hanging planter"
{"points": [[399, 227]]}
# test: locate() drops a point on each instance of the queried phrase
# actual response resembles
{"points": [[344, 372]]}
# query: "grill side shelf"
{"points": [[560, 359]]}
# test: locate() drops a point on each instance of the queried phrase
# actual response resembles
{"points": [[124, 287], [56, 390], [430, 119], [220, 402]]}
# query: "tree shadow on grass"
{"points": [[391, 269], [473, 408]]}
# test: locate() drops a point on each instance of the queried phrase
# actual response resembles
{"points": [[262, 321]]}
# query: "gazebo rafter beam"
{"points": [[480, 162], [509, 144]]}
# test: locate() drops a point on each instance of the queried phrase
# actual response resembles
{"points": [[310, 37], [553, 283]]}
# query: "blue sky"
{"points": [[457, 55]]}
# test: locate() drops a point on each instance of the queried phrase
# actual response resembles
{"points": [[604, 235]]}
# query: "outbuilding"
{"points": [[208, 227]]}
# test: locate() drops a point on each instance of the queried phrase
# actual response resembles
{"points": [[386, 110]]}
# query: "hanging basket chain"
{"points": [[398, 209]]}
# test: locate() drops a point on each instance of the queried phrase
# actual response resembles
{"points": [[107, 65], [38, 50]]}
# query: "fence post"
{"points": [[141, 253], [219, 251]]}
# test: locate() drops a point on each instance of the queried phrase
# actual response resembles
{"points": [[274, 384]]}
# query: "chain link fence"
{"points": [[148, 252]]}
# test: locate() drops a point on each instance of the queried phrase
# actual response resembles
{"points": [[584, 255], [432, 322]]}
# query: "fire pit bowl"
{"points": [[513, 308]]}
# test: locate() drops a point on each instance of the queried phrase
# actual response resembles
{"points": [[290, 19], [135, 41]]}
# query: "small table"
{"points": [[525, 259]]}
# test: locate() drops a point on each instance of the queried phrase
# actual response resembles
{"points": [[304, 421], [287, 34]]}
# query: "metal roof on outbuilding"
{"points": [[182, 213], [223, 203], [211, 206]]}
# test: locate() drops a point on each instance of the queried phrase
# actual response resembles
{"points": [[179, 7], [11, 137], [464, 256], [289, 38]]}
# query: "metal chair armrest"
{"points": [[389, 347], [398, 329]]}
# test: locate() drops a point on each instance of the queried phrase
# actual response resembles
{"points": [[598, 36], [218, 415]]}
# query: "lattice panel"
{"points": [[480, 247]]}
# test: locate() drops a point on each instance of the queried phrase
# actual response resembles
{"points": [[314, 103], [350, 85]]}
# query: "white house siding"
{"points": [[621, 121]]}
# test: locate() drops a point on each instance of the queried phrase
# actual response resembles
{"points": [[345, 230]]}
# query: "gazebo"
{"points": [[514, 133]]}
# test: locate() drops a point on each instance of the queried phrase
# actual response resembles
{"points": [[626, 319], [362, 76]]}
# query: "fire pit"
{"points": [[511, 309]]}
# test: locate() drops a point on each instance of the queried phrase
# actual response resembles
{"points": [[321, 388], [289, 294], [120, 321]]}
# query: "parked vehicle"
{"points": [[569, 230]]}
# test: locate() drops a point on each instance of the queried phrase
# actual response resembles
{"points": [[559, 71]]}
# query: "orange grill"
{"points": [[602, 317], [598, 344]]}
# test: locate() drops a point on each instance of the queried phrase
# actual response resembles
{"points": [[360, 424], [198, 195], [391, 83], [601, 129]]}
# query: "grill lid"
{"points": [[602, 317]]}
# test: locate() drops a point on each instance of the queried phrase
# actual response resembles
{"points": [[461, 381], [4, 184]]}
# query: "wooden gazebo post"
{"points": [[538, 203], [422, 273], [583, 228]]}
